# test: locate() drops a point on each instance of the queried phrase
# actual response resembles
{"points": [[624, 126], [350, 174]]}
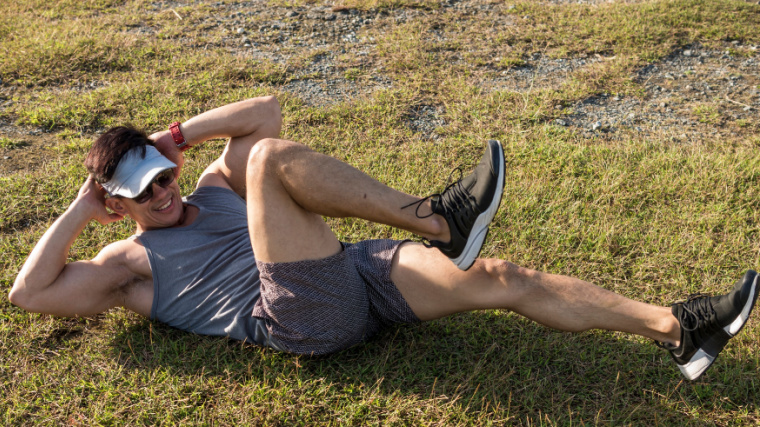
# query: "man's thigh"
{"points": [[434, 287], [281, 230]]}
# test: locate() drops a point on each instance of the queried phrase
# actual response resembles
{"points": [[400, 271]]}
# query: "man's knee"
{"points": [[506, 277], [270, 154], [503, 271]]}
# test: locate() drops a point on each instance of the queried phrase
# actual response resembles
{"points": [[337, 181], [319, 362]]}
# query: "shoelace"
{"points": [[456, 189], [459, 191], [697, 310]]}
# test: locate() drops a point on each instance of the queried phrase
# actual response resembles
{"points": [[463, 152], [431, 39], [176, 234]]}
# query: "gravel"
{"points": [[675, 90], [678, 93]]}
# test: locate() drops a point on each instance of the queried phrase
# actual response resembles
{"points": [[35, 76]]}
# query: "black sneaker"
{"points": [[469, 205], [707, 323]]}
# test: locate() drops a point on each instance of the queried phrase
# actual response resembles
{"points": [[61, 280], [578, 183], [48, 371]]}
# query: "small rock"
{"points": [[330, 17], [292, 14], [687, 52], [663, 104], [240, 30], [560, 122]]}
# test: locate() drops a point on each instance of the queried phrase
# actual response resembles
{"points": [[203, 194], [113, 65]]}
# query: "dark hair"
{"points": [[109, 148]]}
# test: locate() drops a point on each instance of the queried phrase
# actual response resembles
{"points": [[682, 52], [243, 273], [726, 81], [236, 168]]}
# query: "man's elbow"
{"points": [[14, 296], [19, 296], [272, 115], [273, 105]]}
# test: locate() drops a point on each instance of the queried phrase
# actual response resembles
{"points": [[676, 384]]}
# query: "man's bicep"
{"points": [[83, 288]]}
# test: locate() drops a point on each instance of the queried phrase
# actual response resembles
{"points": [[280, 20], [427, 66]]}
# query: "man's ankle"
{"points": [[443, 233]]}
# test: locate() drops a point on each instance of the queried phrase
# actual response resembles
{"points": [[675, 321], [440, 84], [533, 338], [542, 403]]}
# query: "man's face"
{"points": [[163, 209]]}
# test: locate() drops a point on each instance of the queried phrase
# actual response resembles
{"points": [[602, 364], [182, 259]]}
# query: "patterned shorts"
{"points": [[326, 305]]}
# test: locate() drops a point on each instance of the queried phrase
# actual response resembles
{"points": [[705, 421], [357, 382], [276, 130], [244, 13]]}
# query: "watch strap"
{"points": [[177, 136]]}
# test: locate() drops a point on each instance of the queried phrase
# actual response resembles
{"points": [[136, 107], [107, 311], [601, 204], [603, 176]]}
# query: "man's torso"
{"points": [[139, 292]]}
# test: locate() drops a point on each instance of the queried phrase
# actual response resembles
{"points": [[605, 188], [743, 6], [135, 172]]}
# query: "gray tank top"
{"points": [[205, 278]]}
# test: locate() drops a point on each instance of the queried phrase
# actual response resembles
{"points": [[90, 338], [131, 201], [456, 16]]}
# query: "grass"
{"points": [[649, 218]]}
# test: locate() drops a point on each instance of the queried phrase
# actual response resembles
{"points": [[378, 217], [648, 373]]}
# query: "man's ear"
{"points": [[117, 205]]}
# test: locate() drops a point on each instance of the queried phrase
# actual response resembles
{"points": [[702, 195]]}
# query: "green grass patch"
{"points": [[648, 218]]}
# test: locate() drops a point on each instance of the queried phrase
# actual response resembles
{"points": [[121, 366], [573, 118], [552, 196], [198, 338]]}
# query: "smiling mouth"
{"points": [[165, 205]]}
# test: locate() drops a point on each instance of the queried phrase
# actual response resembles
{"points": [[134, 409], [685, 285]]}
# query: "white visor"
{"points": [[135, 172]]}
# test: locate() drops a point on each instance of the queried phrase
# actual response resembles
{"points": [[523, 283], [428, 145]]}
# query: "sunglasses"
{"points": [[163, 180]]}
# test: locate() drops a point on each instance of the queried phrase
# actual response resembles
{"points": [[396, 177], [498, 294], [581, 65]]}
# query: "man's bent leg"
{"points": [[312, 298], [434, 288], [455, 221], [281, 229], [289, 187]]}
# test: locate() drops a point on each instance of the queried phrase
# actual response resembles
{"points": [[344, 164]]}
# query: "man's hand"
{"points": [[165, 145], [92, 197]]}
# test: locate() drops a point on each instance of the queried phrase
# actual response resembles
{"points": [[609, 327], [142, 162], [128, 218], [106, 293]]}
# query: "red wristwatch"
{"points": [[177, 136]]}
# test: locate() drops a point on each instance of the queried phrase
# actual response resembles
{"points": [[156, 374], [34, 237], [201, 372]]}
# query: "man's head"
{"points": [[109, 148], [136, 176]]}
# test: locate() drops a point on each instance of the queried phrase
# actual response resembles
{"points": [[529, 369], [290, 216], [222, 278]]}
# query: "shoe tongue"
{"points": [[468, 182], [698, 310], [435, 203]]}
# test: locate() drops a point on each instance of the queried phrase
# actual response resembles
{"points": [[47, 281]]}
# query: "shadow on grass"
{"points": [[487, 364]]}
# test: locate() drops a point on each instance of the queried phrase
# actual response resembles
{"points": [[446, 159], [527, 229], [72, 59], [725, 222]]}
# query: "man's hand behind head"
{"points": [[92, 198], [165, 145]]}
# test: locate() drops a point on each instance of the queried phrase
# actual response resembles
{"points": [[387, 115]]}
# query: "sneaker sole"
{"points": [[701, 360], [480, 229]]}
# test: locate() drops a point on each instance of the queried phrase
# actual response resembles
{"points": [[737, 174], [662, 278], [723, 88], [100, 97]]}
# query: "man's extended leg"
{"points": [[694, 331], [433, 289]]}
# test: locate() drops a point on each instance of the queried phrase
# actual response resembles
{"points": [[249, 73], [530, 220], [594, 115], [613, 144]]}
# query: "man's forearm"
{"points": [[235, 120]]}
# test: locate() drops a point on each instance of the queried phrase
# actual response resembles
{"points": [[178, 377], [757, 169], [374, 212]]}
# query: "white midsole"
{"points": [[699, 363], [737, 324]]}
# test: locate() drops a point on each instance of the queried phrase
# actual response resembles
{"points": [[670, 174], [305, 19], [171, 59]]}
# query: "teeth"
{"points": [[166, 205]]}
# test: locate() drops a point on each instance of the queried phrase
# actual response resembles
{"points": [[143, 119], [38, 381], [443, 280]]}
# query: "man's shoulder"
{"points": [[212, 177], [129, 252], [212, 196]]}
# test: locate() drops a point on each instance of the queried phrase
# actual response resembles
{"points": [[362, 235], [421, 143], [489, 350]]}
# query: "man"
{"points": [[191, 263]]}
